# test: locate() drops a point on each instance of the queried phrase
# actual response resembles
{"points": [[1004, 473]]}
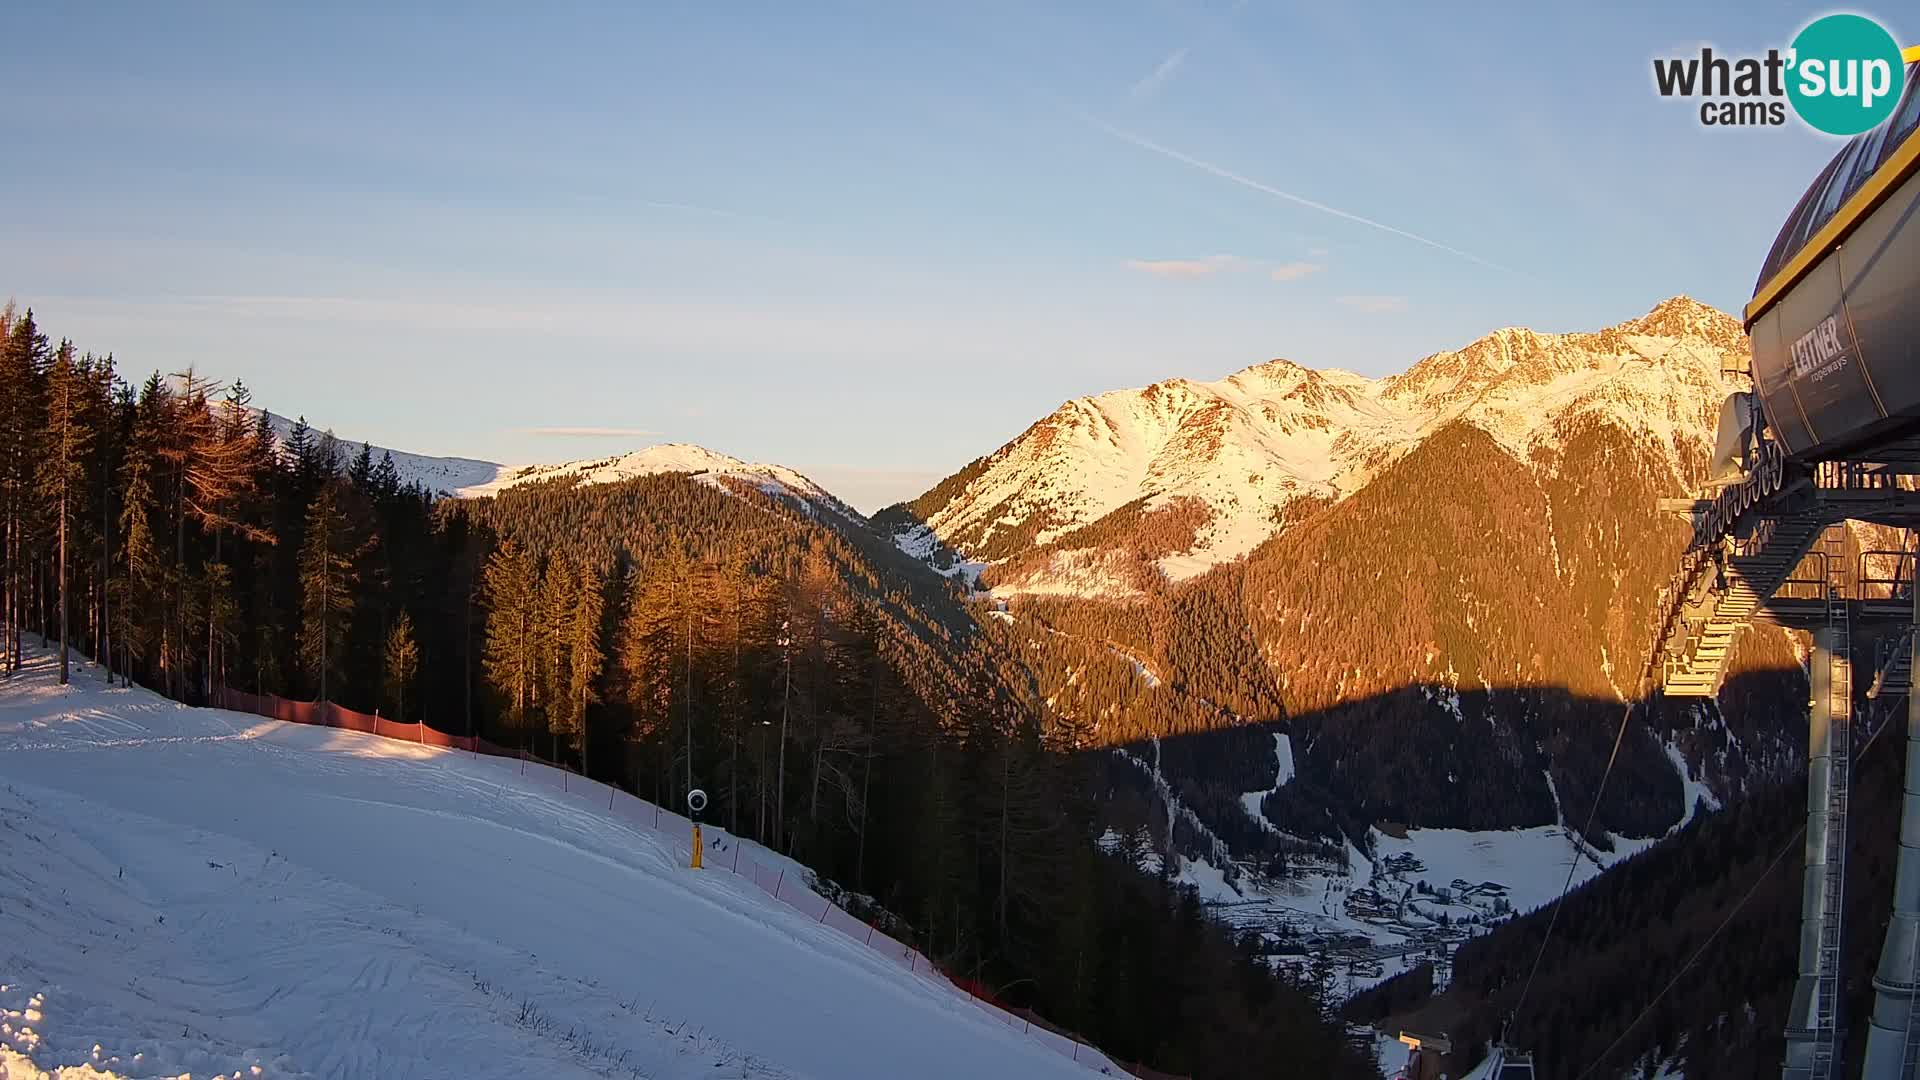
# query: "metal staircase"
{"points": [[1893, 675], [1839, 710], [1697, 648]]}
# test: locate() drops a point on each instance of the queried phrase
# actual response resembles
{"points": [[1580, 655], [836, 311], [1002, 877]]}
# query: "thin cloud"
{"points": [[1374, 305], [1157, 78], [1145, 143], [1294, 271], [589, 432], [1211, 264]]}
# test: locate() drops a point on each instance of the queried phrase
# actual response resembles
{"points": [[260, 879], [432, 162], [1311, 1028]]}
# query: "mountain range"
{"points": [[1177, 477], [1339, 633], [1350, 556]]}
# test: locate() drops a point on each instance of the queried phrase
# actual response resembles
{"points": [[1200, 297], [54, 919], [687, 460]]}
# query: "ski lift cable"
{"points": [[1759, 880], [1573, 865], [1796, 838]]}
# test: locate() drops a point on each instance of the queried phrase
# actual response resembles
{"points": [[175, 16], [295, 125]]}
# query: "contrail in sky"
{"points": [[1145, 143]]}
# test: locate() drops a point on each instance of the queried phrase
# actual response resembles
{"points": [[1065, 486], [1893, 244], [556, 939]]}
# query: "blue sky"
{"points": [[872, 241]]}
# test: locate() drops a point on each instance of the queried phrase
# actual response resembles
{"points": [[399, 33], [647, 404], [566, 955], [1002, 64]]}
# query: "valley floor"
{"points": [[191, 891]]}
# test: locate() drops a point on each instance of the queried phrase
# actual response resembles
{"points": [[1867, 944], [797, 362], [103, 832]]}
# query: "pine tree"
{"points": [[361, 471], [559, 592], [326, 457], [222, 614], [107, 413], [584, 654], [650, 659], [402, 664], [63, 469], [142, 579], [327, 576], [385, 481], [301, 454], [23, 359], [510, 595]]}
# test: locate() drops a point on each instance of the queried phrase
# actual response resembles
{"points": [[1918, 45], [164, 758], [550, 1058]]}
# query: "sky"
{"points": [[872, 241]]}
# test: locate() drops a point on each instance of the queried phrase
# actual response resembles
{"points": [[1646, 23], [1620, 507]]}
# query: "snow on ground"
{"points": [[920, 543], [1283, 757], [205, 892], [1531, 863], [1694, 791], [1140, 667], [1208, 880], [444, 475]]}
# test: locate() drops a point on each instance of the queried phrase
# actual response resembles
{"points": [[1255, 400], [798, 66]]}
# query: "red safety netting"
{"points": [[724, 852]]}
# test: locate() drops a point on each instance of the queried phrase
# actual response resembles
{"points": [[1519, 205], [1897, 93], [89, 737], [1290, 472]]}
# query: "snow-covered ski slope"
{"points": [[207, 892]]}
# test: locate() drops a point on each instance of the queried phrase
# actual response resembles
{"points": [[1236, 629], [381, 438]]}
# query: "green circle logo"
{"points": [[1845, 74]]}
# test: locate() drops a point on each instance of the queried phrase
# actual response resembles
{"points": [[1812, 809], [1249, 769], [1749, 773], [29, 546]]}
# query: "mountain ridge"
{"points": [[1228, 458], [472, 478]]}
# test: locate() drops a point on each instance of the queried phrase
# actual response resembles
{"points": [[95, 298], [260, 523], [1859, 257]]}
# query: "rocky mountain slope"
{"points": [[1436, 585], [1112, 491]]}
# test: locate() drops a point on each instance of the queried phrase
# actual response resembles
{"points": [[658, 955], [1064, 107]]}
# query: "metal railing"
{"points": [[1875, 584], [1861, 476]]}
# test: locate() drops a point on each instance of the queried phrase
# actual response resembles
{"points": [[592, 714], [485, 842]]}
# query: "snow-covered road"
{"points": [[196, 891]]}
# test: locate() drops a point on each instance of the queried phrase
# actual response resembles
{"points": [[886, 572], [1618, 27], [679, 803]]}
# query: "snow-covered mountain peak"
{"points": [[470, 478], [1684, 317], [710, 466], [1235, 453]]}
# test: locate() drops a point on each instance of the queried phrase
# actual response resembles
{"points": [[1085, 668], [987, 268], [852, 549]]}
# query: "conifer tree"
{"points": [[402, 663], [63, 470], [651, 659], [509, 590], [584, 654], [222, 614], [106, 415], [558, 594], [23, 359], [361, 471], [327, 576], [301, 454], [141, 580], [385, 481]]}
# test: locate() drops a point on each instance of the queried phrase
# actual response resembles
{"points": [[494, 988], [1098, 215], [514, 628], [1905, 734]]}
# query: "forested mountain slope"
{"points": [[1624, 937], [834, 696]]}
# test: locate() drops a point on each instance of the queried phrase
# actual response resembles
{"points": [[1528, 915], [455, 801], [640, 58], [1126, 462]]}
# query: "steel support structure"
{"points": [[1813, 1033], [1893, 1034]]}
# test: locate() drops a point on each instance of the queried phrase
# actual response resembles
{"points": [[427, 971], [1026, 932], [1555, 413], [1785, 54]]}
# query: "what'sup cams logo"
{"points": [[1842, 75]]}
